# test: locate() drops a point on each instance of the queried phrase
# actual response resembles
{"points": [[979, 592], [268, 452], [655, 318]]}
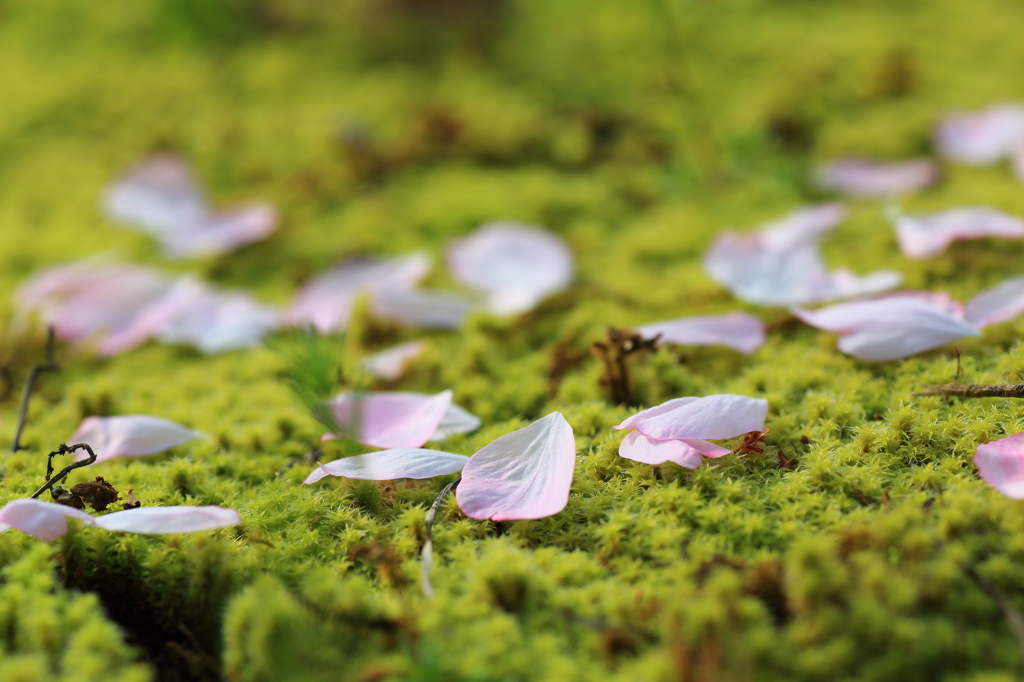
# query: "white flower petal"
{"points": [[41, 520], [130, 436], [740, 331], [168, 520], [390, 465]]}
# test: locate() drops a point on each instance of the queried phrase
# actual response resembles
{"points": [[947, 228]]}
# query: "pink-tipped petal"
{"points": [[925, 236], [42, 520], [525, 474], [169, 520], [711, 417], [423, 307], [220, 321], [517, 264], [390, 420], [221, 233], [983, 137], [130, 436], [390, 465], [1002, 302], [389, 364], [739, 331], [640, 448], [865, 178], [1001, 464]]}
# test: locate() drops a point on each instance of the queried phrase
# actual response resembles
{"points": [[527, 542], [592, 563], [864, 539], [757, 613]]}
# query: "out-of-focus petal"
{"points": [[455, 420], [924, 236], [525, 474], [640, 448], [423, 307], [740, 331], [131, 435], [982, 137], [389, 363], [326, 301], [42, 520], [169, 520], [390, 420], [219, 321], [1000, 303], [221, 233], [865, 178], [711, 417], [803, 225], [1001, 464], [389, 465], [517, 264], [158, 195]]}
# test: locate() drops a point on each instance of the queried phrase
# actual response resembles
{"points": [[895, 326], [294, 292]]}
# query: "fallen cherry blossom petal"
{"points": [[42, 520], [889, 328], [924, 236], [710, 417], [640, 448], [219, 321], [525, 474], [423, 307], [1000, 303], [389, 420], [130, 436], [326, 301], [221, 233], [982, 137], [516, 264], [390, 363], [169, 520], [456, 420], [390, 465], [803, 225], [740, 331], [865, 178], [1001, 464]]}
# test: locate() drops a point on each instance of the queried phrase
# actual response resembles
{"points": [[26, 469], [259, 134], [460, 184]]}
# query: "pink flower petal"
{"points": [[925, 236], [423, 307], [42, 520], [390, 363], [390, 420], [668, 406], [130, 436], [865, 178], [157, 195], [456, 420], [525, 474], [711, 417], [517, 264], [326, 301], [1002, 302], [221, 233], [219, 321], [640, 448], [390, 465], [168, 520], [1001, 464], [803, 225], [983, 137], [740, 331]]}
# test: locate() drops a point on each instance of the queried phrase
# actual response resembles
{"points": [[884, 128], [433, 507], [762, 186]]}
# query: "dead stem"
{"points": [[958, 390], [428, 542], [64, 449], [48, 366], [614, 353]]}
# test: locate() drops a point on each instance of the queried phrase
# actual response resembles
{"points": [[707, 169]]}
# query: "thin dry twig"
{"points": [[428, 543], [957, 390], [48, 366], [64, 449], [615, 353], [1010, 611]]}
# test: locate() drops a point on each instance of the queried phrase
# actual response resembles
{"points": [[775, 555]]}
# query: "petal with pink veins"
{"points": [[389, 420], [1001, 464], [169, 520], [525, 474], [390, 465], [390, 363], [865, 178], [983, 137], [41, 520], [1000, 303], [925, 236], [740, 331], [132, 435], [711, 417]]}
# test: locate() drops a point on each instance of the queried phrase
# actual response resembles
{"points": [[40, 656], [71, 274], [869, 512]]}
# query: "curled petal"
{"points": [[1000, 303], [711, 417], [983, 137], [740, 331], [130, 436], [389, 364], [864, 178], [640, 448], [517, 264], [389, 420], [423, 307], [41, 520], [390, 465], [1001, 464], [668, 406], [169, 520], [525, 474], [930, 235]]}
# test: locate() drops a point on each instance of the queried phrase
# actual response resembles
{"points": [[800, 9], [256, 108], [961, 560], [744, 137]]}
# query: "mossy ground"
{"points": [[636, 130]]}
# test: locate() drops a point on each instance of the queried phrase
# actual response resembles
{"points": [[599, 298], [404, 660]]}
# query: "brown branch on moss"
{"points": [[957, 390], [615, 353], [428, 542], [48, 366], [64, 449], [563, 358]]}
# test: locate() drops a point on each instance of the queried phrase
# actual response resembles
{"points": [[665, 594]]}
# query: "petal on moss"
{"points": [[390, 363], [803, 225], [220, 321], [1002, 302], [515, 263], [221, 233], [456, 420], [423, 307], [42, 520], [130, 436], [525, 474], [169, 520], [866, 178], [740, 331], [1001, 464], [982, 137], [390, 465], [925, 236], [640, 448], [711, 417], [389, 420], [157, 195]]}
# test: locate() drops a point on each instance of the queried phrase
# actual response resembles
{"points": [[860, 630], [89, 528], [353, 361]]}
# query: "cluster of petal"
{"points": [[397, 419], [160, 197], [390, 363], [924, 236], [678, 430], [525, 474], [983, 137], [740, 331], [48, 520], [866, 178], [780, 264], [515, 264], [1001, 464], [132, 435]]}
